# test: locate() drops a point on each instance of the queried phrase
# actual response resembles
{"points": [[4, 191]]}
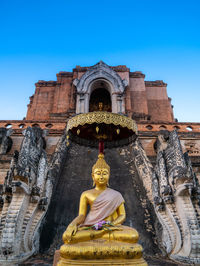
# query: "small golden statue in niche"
{"points": [[99, 237], [100, 106]]}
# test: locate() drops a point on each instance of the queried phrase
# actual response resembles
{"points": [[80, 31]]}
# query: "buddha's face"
{"points": [[101, 176]]}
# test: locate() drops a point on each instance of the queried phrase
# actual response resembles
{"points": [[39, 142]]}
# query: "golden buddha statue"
{"points": [[100, 106], [99, 238]]}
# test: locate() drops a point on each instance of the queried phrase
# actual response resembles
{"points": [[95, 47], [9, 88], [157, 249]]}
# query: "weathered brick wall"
{"points": [[138, 95], [57, 99], [52, 98], [42, 101], [159, 105], [62, 96]]}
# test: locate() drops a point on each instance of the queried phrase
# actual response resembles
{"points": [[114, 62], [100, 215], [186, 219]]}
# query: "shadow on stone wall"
{"points": [[75, 178]]}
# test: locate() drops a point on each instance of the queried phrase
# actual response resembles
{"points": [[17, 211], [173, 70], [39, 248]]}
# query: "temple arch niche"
{"points": [[100, 98], [111, 82]]}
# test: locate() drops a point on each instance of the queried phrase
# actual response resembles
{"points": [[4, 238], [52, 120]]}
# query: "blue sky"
{"points": [[40, 38]]}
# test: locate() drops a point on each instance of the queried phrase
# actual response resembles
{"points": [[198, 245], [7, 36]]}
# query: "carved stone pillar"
{"points": [[176, 194]]}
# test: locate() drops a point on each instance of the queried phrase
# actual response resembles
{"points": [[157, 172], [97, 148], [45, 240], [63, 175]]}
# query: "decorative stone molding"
{"points": [[140, 116], [156, 83], [115, 85], [5, 140], [136, 74], [43, 83], [121, 68], [192, 147], [143, 166], [58, 126], [176, 195], [26, 195], [64, 74]]}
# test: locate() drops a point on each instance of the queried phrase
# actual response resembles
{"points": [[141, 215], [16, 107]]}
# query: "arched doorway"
{"points": [[100, 76], [100, 100]]}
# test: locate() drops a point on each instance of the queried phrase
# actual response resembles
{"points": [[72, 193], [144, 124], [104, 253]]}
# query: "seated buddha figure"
{"points": [[99, 236]]}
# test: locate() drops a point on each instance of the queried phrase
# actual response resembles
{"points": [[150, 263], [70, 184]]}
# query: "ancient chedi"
{"points": [[43, 173]]}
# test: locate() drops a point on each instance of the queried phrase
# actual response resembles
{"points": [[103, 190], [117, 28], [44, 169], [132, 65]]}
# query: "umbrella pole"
{"points": [[101, 146]]}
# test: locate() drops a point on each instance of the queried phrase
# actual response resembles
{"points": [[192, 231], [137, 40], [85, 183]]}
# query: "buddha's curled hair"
{"points": [[100, 163]]}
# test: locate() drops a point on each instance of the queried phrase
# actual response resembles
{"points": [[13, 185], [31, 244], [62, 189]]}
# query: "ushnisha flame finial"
{"points": [[101, 163]]}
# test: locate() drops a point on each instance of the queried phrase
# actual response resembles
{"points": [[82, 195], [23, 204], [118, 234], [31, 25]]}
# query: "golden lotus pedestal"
{"points": [[101, 252]]}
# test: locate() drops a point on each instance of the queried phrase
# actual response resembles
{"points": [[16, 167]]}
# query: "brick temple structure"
{"points": [[121, 91], [36, 146]]}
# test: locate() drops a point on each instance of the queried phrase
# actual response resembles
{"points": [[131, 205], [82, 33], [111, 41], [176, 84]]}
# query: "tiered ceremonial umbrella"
{"points": [[101, 129]]}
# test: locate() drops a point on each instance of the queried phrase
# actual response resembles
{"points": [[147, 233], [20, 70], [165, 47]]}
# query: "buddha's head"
{"points": [[100, 171]]}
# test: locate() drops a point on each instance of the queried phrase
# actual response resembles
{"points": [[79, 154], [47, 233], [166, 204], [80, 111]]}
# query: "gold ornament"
{"points": [[102, 117], [97, 130]]}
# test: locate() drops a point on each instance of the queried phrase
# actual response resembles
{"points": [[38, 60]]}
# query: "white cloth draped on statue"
{"points": [[104, 205]]}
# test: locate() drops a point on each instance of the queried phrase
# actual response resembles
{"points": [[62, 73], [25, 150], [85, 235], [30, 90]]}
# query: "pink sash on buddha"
{"points": [[104, 205]]}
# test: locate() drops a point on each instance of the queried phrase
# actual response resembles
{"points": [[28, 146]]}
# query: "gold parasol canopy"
{"points": [[113, 129]]}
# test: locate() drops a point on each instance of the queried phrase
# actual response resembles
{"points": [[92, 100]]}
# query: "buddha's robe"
{"points": [[103, 206], [89, 245]]}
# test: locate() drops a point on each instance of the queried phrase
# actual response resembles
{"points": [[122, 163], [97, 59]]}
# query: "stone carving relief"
{"points": [[143, 166], [176, 196], [192, 147], [24, 199], [5, 140], [115, 85]]}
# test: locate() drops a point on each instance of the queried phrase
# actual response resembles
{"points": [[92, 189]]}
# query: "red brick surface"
{"points": [[57, 99], [160, 110], [139, 102]]}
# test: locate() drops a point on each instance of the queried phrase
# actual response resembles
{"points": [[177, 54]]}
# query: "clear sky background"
{"points": [[39, 38]]}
